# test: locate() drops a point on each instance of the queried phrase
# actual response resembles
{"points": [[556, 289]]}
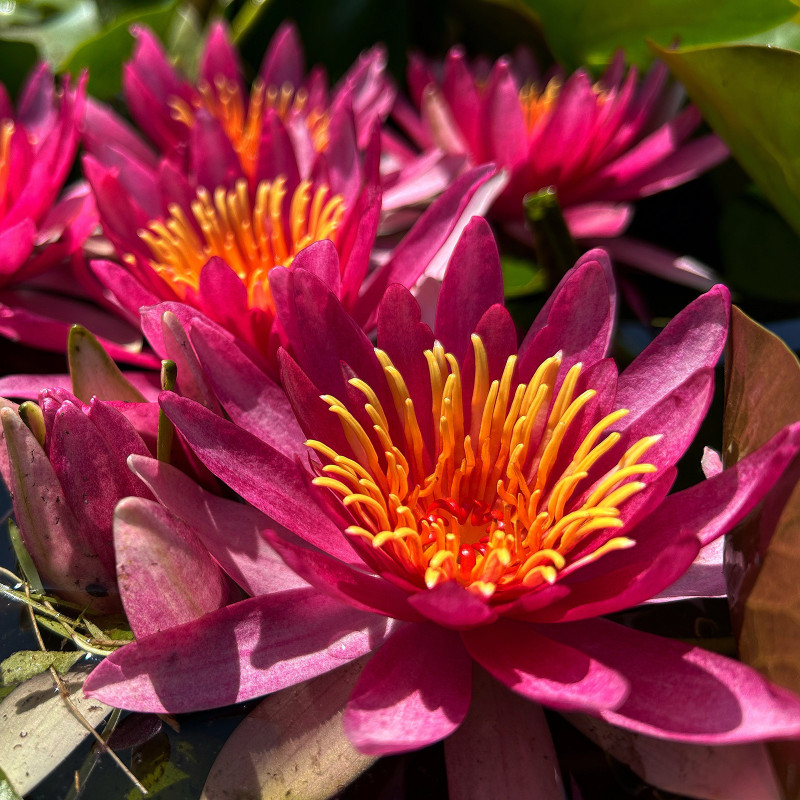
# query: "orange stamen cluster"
{"points": [[490, 512], [243, 123], [537, 105], [6, 133], [251, 240]]}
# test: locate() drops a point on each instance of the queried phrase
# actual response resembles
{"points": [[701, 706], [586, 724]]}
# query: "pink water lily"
{"points": [[601, 144], [464, 500], [44, 282], [204, 222], [65, 480]]}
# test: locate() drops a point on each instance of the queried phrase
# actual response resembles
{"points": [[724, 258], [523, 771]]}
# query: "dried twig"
{"points": [[73, 709]]}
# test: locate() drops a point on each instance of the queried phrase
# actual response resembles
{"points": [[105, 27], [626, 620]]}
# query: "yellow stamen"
{"points": [[242, 123], [250, 240], [501, 508], [537, 104], [6, 134]]}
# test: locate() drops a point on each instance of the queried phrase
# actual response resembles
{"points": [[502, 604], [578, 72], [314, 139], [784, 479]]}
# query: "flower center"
{"points": [[6, 133], [537, 105], [250, 240], [242, 122], [491, 511]]}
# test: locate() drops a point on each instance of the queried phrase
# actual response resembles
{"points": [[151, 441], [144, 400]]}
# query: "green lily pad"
{"points": [[104, 53], [749, 96], [588, 32], [522, 277], [27, 663]]}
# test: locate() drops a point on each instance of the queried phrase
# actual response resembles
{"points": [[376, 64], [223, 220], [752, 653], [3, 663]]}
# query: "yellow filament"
{"points": [[498, 508], [250, 240], [6, 134]]}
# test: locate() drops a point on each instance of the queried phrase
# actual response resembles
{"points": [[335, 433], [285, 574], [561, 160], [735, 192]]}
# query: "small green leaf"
{"points": [[522, 276], [153, 767], [24, 559], [7, 791], [247, 18], [749, 97], [104, 53], [587, 32], [93, 372], [27, 663]]}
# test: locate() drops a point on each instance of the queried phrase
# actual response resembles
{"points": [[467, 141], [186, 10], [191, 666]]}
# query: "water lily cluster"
{"points": [[352, 453]]}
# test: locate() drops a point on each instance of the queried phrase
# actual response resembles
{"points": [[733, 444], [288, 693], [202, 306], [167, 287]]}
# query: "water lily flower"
{"points": [[203, 224], [463, 499], [44, 283], [66, 473], [601, 144]]}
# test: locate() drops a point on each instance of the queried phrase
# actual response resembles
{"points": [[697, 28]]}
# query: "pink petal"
{"points": [[232, 532], [598, 219], [558, 675], [219, 58], [272, 483], [431, 241], [252, 399], [16, 244], [92, 475], [239, 652], [452, 606], [691, 342], [103, 128], [704, 577], [283, 61], [680, 692], [685, 270], [725, 772], [472, 283], [506, 133], [341, 581], [414, 691], [166, 576], [502, 749], [191, 381], [577, 320]]}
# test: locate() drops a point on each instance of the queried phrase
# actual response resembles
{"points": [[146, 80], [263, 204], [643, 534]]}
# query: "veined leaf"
{"points": [[749, 96], [292, 745], [587, 32], [762, 388], [37, 730]]}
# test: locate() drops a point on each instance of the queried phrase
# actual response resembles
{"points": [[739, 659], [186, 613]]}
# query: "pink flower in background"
{"points": [[44, 284], [204, 223], [601, 144], [462, 500]]}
